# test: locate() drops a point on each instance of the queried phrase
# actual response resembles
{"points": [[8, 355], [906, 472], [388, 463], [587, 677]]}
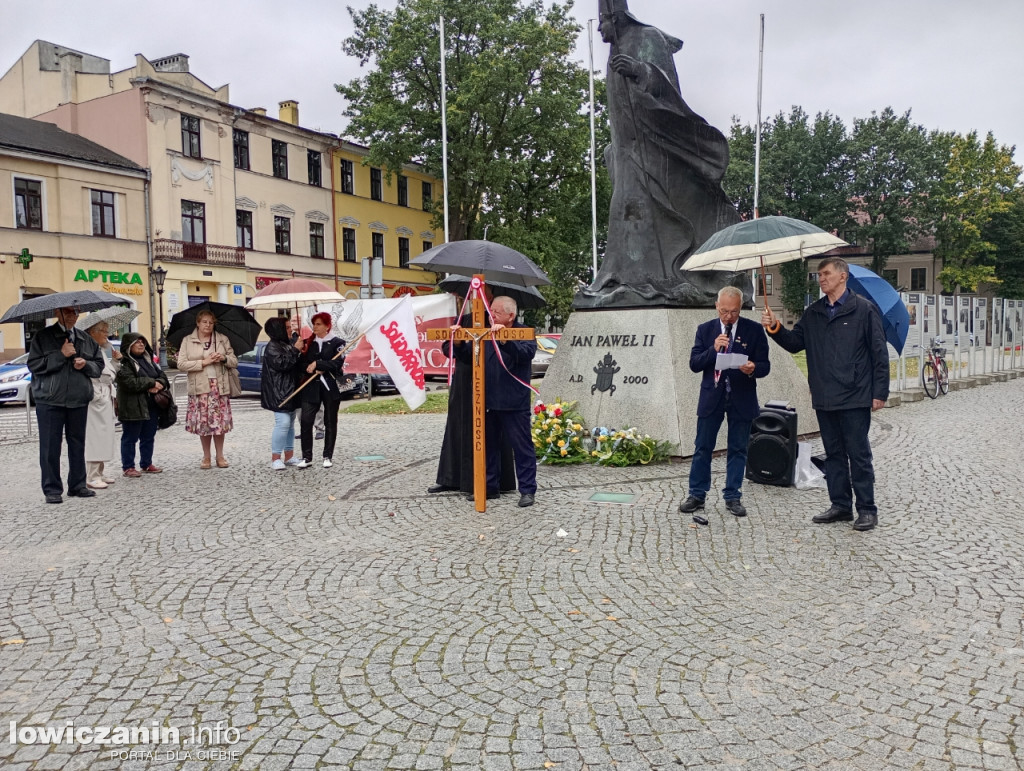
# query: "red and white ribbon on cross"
{"points": [[476, 287]]}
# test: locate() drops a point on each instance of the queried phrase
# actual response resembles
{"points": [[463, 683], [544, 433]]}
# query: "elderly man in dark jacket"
{"points": [[507, 401], [848, 373], [62, 361]]}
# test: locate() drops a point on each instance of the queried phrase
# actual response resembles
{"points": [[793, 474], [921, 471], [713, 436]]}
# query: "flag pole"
{"points": [[593, 152], [757, 154], [444, 131]]}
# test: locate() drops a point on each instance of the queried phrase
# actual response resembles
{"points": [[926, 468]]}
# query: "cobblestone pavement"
{"points": [[344, 618]]}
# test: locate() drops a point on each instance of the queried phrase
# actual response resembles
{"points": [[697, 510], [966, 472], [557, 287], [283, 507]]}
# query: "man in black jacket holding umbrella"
{"points": [[848, 374], [62, 361]]}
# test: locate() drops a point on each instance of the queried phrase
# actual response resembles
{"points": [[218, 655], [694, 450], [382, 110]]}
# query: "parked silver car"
{"points": [[15, 381]]}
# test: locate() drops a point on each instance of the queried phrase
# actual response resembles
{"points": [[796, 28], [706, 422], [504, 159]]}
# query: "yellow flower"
{"points": [[564, 453], [577, 426], [561, 443], [594, 453]]}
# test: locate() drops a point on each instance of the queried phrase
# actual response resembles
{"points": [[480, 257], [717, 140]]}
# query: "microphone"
{"points": [[728, 333], [295, 337]]}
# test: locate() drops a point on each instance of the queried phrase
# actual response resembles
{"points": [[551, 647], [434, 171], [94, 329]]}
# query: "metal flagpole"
{"points": [[444, 131], [757, 158], [757, 144], [593, 152]]}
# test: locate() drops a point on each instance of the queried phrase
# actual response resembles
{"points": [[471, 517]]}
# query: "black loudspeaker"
{"points": [[771, 454]]}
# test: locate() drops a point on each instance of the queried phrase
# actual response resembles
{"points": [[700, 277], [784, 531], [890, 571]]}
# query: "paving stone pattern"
{"points": [[343, 618]]}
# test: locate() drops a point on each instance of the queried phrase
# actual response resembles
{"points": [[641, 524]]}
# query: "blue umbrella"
{"points": [[895, 318]]}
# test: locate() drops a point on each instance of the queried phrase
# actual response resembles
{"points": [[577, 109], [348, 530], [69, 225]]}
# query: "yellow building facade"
{"points": [[72, 216], [380, 217]]}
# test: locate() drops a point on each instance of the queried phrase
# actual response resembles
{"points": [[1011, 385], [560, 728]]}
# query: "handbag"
{"points": [[168, 410], [168, 417], [234, 383]]}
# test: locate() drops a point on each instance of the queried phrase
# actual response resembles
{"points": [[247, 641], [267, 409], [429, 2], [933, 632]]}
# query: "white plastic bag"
{"points": [[807, 475]]}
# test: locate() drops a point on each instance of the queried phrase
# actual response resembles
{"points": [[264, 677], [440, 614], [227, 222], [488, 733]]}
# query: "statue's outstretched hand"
{"points": [[626, 65]]}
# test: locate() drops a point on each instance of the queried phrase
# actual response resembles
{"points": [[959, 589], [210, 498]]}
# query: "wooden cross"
{"points": [[478, 334]]}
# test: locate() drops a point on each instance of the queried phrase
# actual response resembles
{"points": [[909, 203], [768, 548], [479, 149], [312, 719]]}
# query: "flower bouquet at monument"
{"points": [[560, 438], [627, 447], [558, 433]]}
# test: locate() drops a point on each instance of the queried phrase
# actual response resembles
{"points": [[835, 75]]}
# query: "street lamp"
{"points": [[159, 276]]}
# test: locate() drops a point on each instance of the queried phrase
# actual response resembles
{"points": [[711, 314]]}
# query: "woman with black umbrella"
{"points": [[207, 357]]}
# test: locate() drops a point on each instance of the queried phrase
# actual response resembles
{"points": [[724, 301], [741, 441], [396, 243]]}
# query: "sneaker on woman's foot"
{"points": [[328, 463], [304, 463], [278, 465]]}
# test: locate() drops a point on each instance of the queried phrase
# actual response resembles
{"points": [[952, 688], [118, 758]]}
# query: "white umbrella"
{"points": [[292, 293], [115, 316], [759, 242]]}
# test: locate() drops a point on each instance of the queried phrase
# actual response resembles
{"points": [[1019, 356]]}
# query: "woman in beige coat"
{"points": [[100, 438], [207, 357]]}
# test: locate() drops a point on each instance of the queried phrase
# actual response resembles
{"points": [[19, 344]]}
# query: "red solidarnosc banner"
{"points": [[431, 312]]}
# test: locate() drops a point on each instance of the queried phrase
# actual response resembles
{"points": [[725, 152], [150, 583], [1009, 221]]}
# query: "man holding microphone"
{"points": [[725, 392], [848, 374], [63, 361]]}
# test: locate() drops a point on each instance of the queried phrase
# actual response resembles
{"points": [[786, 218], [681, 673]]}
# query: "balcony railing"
{"points": [[210, 254]]}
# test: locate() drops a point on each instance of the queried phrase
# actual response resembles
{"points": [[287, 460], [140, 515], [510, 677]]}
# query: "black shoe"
{"points": [[54, 498], [691, 505], [491, 495], [319, 435], [834, 514], [736, 508], [82, 492], [699, 519], [525, 500], [865, 522], [438, 488]]}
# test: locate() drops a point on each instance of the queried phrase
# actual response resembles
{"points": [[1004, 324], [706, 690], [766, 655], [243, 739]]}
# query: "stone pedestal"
{"points": [[631, 368]]}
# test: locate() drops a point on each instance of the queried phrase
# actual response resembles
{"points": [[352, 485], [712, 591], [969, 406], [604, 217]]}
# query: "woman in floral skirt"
{"points": [[207, 357]]}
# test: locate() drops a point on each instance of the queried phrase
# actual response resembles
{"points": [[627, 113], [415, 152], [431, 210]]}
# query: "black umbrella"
{"points": [[525, 296], [494, 261], [46, 306], [234, 321]]}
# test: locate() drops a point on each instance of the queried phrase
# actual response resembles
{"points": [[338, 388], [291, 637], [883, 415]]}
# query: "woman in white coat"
{"points": [[100, 440]]}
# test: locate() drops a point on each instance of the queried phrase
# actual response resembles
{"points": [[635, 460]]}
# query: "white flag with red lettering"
{"points": [[396, 342]]}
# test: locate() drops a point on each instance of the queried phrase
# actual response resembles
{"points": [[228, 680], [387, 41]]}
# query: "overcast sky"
{"points": [[957, 65]]}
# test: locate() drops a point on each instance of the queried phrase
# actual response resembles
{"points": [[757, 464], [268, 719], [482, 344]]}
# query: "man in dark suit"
{"points": [[725, 393], [508, 402], [62, 361]]}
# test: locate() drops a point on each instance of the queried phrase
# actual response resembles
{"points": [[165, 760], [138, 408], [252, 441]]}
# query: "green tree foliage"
{"points": [[1005, 232], [805, 174], [518, 128], [895, 166], [975, 187]]}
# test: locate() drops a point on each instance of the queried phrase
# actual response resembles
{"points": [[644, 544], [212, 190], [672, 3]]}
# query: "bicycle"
{"points": [[934, 373]]}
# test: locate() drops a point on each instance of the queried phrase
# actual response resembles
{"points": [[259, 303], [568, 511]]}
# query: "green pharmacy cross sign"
{"points": [[25, 258]]}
